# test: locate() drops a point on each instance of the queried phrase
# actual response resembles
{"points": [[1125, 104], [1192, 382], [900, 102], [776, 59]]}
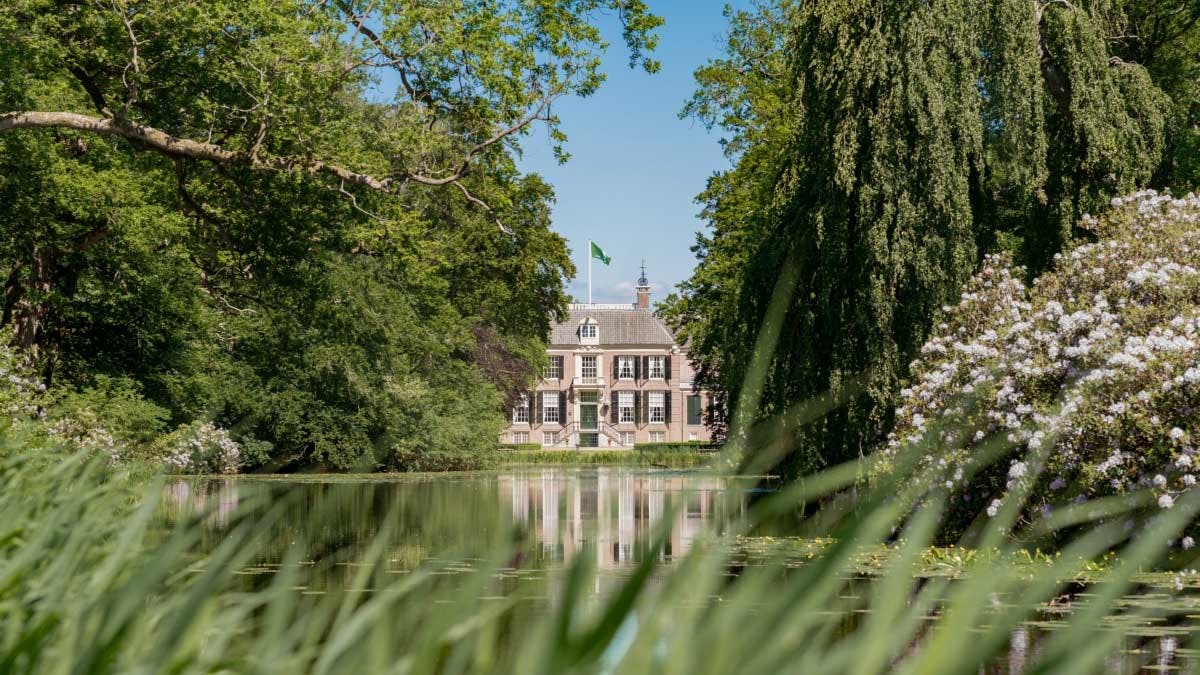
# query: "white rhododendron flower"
{"points": [[1090, 375], [204, 448]]}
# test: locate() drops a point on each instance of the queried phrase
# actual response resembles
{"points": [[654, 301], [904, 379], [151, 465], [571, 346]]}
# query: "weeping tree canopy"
{"points": [[301, 219], [881, 148]]}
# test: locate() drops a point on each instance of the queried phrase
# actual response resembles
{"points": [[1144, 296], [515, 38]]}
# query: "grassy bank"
{"points": [[674, 460]]}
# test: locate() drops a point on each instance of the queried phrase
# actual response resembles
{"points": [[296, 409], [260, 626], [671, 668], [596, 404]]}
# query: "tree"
{"points": [[881, 149], [302, 219], [278, 87]]}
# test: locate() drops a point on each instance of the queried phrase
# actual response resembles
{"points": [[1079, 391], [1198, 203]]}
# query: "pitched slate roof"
{"points": [[619, 325]]}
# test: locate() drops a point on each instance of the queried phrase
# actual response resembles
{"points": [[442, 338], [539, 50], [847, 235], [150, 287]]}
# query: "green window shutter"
{"points": [[646, 367], [693, 410], [637, 368], [562, 408], [612, 409], [537, 413], [637, 407], [667, 368], [667, 407]]}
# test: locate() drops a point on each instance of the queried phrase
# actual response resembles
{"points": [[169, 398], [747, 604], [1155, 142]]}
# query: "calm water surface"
{"points": [[451, 522]]}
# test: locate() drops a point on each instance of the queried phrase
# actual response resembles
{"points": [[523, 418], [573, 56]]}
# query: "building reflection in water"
{"points": [[613, 510]]}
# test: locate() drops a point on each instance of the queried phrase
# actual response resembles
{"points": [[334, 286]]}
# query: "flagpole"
{"points": [[589, 255]]}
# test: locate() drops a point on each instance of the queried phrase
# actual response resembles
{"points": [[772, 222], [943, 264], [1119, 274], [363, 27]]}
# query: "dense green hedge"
{"points": [[520, 447], [677, 446], [674, 460]]}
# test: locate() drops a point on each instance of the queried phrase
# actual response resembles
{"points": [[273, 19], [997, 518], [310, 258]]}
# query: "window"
{"points": [[589, 397], [549, 438], [589, 332], [658, 407], [657, 371], [693, 410], [521, 413], [626, 438], [587, 367], [625, 407], [520, 437], [550, 407], [658, 437], [553, 370], [691, 435], [625, 367]]}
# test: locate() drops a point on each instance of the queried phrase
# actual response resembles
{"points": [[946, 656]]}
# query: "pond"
{"points": [[452, 522]]}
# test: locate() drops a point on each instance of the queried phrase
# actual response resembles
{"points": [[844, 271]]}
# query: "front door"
{"points": [[589, 417]]}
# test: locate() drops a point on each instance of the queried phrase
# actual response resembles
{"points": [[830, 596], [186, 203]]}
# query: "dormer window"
{"points": [[589, 332]]}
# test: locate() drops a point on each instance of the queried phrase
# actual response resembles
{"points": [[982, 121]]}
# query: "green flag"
{"points": [[598, 254]]}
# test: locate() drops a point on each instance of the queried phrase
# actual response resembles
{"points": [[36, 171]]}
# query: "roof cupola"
{"points": [[643, 290]]}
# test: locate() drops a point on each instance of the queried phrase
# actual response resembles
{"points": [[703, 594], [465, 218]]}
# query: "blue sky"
{"points": [[635, 167]]}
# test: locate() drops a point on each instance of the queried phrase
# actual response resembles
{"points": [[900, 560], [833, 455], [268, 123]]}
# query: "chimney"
{"points": [[643, 290]]}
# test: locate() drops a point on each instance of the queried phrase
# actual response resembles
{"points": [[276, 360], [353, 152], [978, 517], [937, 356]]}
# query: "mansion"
{"points": [[616, 377]]}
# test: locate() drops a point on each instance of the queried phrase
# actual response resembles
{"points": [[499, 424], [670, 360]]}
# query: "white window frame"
{"points": [[550, 438], [625, 408], [625, 367], [553, 370], [583, 367], [658, 437], [658, 368], [657, 413], [547, 398], [627, 438], [521, 411], [520, 437]]}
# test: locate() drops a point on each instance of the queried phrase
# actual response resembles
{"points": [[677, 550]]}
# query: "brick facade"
{"points": [[629, 332]]}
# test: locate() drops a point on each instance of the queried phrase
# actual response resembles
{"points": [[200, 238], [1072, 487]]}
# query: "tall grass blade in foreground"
{"points": [[91, 582]]}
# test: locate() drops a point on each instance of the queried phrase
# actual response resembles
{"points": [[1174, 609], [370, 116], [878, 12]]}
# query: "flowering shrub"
{"points": [[85, 431], [20, 391], [201, 448], [1095, 368]]}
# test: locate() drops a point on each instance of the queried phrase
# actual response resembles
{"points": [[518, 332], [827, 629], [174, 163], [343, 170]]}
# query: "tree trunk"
{"points": [[25, 304]]}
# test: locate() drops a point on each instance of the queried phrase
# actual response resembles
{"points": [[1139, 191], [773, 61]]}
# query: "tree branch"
{"points": [[482, 204], [393, 58], [174, 146], [400, 63], [131, 88], [93, 91]]}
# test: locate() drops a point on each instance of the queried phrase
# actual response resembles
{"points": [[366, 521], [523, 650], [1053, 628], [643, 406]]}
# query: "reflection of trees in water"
{"points": [[335, 520], [217, 498], [611, 509], [441, 521]]}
